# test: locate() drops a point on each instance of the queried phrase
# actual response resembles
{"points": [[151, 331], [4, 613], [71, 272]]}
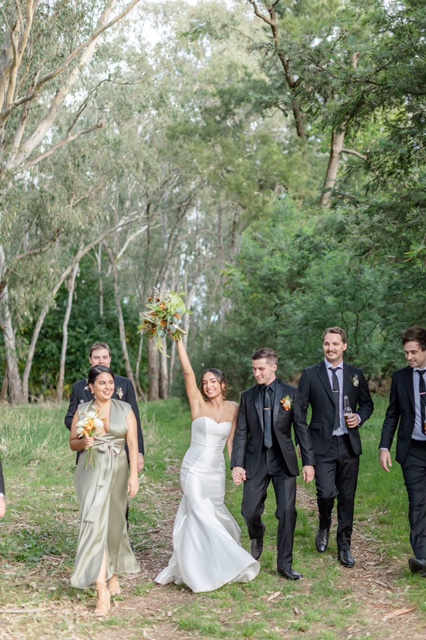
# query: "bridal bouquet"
{"points": [[90, 425], [162, 318]]}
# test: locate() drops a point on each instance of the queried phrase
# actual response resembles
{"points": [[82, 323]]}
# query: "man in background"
{"points": [[100, 353], [407, 413], [335, 437]]}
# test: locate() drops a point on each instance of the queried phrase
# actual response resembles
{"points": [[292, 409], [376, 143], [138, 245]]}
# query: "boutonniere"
{"points": [[355, 380], [287, 403], [119, 392], [86, 388]]}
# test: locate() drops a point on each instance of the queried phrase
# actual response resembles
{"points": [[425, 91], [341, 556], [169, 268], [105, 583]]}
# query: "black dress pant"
{"points": [[254, 496], [336, 475], [414, 470]]}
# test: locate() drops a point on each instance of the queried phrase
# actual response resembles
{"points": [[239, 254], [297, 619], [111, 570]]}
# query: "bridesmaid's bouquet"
{"points": [[165, 311], [90, 425]]}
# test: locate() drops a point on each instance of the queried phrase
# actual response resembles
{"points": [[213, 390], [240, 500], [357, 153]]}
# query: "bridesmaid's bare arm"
{"points": [[132, 444]]}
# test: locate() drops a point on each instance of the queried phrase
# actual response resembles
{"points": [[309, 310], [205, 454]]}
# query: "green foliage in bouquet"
{"points": [[165, 311]]}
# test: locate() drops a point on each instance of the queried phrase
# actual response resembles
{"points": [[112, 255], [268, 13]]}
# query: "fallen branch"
{"points": [[398, 612]]}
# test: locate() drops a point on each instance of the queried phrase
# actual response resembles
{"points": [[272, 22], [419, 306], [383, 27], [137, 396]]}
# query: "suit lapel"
{"points": [[346, 380], [408, 380], [323, 376]]}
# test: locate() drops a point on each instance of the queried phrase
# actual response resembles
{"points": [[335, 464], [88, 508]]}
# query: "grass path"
{"points": [[377, 599]]}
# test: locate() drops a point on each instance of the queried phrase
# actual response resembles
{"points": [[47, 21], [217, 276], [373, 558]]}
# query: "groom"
{"points": [[263, 450]]}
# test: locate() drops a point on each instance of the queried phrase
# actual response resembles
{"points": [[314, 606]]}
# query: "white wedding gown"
{"points": [[207, 552]]}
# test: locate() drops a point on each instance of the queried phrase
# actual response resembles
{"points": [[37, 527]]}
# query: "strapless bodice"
{"points": [[206, 432]]}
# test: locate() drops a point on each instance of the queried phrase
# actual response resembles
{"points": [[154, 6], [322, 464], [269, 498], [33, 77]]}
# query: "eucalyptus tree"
{"points": [[47, 47], [310, 52]]}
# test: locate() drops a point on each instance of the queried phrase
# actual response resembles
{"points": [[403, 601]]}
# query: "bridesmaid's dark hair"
{"points": [[220, 377], [96, 371]]}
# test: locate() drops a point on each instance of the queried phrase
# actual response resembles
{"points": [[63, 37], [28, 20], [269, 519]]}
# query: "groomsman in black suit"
{"points": [[262, 451], [2, 494], [407, 413], [100, 353], [335, 436]]}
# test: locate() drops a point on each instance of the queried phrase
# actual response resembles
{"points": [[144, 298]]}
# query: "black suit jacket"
{"points": [[401, 410], [248, 440], [314, 389], [123, 391], [2, 488]]}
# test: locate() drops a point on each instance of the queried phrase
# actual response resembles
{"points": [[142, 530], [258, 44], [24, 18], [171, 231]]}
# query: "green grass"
{"points": [[39, 535]]}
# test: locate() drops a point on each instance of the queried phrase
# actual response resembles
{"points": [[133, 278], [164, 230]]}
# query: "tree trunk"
{"points": [[60, 386], [121, 326], [172, 366], [337, 141], [16, 394], [14, 379], [153, 391], [4, 386], [137, 372], [101, 281], [164, 374]]}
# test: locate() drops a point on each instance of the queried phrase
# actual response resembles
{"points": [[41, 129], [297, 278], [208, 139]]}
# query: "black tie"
{"points": [[267, 418], [422, 389], [336, 394]]}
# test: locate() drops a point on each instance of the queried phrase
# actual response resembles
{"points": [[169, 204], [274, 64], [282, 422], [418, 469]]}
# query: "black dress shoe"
{"points": [[257, 545], [321, 540], [417, 565], [345, 558], [289, 574]]}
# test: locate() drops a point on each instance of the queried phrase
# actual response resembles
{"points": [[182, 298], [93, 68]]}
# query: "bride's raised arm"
{"points": [[192, 391]]}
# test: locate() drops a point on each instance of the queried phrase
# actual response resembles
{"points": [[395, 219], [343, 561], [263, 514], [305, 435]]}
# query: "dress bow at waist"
{"points": [[108, 446], [112, 448]]}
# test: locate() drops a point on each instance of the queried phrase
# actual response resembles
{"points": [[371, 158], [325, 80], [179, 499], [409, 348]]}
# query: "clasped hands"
{"points": [[238, 475]]}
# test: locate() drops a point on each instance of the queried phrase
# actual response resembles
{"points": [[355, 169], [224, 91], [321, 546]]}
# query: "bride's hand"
{"points": [[238, 475], [132, 486]]}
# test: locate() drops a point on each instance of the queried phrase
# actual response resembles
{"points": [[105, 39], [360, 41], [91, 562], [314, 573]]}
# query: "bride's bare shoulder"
{"points": [[233, 406]]}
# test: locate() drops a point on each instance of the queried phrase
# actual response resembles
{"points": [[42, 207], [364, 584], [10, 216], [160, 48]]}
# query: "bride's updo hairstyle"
{"points": [[96, 371], [220, 377]]}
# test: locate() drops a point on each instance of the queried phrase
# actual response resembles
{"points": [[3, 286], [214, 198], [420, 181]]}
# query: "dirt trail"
{"points": [[377, 590], [375, 581]]}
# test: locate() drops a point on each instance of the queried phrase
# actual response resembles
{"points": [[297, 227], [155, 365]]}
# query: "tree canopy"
{"points": [[268, 158]]}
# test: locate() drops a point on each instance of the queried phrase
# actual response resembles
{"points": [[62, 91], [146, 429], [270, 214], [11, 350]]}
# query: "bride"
{"points": [[207, 552]]}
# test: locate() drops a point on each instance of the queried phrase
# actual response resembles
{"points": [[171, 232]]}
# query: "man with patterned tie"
{"points": [[335, 437], [406, 412], [262, 451]]}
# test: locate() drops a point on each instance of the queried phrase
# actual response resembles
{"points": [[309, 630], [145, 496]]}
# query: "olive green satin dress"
{"points": [[102, 493]]}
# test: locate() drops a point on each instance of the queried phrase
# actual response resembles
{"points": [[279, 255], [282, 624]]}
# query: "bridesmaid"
{"points": [[103, 483]]}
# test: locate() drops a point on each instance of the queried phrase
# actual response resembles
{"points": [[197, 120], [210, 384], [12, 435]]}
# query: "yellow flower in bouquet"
{"points": [[90, 425], [165, 311]]}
